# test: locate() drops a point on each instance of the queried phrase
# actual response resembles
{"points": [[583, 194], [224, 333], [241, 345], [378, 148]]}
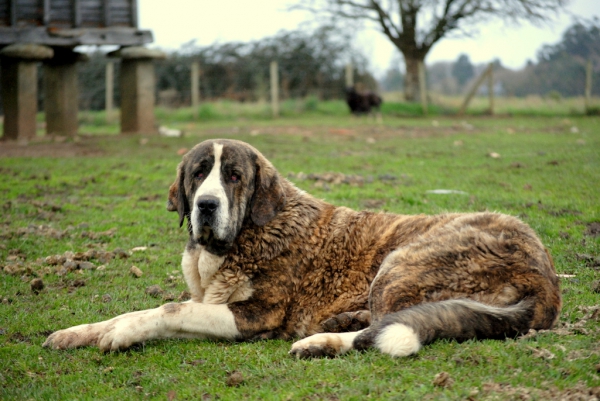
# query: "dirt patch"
{"points": [[50, 147], [593, 229], [369, 132], [497, 391]]}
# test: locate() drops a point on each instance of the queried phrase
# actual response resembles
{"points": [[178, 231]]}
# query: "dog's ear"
{"points": [[268, 198], [177, 200]]}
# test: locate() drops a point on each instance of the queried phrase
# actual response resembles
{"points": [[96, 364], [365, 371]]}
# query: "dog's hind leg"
{"points": [[405, 332], [462, 283]]}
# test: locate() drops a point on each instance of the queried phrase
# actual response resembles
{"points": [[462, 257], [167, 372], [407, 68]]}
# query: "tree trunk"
{"points": [[411, 80]]}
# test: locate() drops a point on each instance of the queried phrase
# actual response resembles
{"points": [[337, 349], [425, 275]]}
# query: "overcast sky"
{"points": [[175, 22]]}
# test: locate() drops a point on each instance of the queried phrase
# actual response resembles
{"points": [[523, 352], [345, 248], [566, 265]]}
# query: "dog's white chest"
{"points": [[208, 264], [208, 284]]}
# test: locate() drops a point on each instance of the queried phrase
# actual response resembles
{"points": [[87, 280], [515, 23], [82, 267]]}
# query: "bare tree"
{"points": [[414, 26]]}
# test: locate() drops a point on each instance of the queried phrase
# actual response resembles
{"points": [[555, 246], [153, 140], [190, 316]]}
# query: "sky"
{"points": [[175, 22]]}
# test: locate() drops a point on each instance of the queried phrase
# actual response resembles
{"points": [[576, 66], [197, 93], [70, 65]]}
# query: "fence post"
{"points": [[349, 76], [195, 82], [588, 85], [274, 89], [108, 102], [491, 88], [423, 87], [474, 88]]}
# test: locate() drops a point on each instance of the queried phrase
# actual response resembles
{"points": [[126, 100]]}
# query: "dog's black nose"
{"points": [[208, 204]]}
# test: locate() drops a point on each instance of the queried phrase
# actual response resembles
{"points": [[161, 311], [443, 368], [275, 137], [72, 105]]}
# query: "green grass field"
{"points": [[108, 192]]}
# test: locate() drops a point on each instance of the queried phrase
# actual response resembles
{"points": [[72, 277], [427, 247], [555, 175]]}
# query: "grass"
{"points": [[548, 174], [226, 111], [532, 105]]}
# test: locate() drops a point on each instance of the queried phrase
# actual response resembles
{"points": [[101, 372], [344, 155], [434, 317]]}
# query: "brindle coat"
{"points": [[274, 262]]}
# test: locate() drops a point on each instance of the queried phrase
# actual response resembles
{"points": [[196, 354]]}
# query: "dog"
{"points": [[362, 102], [267, 260]]}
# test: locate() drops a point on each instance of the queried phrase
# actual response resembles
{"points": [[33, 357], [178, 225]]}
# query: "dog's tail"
{"points": [[405, 332]]}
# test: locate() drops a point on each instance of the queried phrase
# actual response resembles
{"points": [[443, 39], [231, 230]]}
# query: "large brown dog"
{"points": [[267, 260]]}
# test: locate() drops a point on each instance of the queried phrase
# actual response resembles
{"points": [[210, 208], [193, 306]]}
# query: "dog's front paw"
{"points": [[119, 336], [115, 334], [73, 337]]}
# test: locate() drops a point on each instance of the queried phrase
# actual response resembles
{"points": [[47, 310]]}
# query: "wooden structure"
{"points": [[47, 31], [489, 74], [71, 22]]}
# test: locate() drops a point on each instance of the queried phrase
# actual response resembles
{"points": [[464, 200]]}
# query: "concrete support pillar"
{"points": [[137, 85], [19, 88], [137, 96], [61, 92]]}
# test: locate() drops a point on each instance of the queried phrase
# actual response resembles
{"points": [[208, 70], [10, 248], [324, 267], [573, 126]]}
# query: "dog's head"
{"points": [[221, 185]]}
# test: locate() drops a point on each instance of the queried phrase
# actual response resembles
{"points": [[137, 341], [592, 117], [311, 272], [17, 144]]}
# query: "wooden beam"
{"points": [[46, 18], [76, 13], [134, 14], [106, 9], [13, 13], [76, 37]]}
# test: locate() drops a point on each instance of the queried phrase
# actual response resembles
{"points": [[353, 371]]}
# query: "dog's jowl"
{"points": [[267, 260]]}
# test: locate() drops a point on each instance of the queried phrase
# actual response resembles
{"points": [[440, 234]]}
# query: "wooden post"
{"points": [[76, 13], [349, 76], [474, 88], [491, 88], [195, 79], [588, 85], [274, 89], [423, 87], [109, 95], [13, 13]]}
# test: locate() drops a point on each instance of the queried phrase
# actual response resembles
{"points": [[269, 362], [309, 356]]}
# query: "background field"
{"points": [[108, 192]]}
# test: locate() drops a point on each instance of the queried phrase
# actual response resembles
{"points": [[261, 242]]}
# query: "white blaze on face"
{"points": [[213, 186]]}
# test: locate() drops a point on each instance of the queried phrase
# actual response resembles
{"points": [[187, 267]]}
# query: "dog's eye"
{"points": [[199, 176], [235, 178]]}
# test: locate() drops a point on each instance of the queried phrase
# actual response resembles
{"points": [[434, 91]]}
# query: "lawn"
{"points": [[104, 200]]}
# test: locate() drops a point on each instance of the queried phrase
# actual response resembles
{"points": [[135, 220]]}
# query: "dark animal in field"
{"points": [[266, 260], [362, 102]]}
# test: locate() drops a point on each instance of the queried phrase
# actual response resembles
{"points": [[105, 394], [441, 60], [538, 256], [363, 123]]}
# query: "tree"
{"points": [[581, 41], [462, 70], [414, 26], [561, 66]]}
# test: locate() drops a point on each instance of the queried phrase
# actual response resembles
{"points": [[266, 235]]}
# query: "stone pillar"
{"points": [[61, 92], [137, 85], [19, 88]]}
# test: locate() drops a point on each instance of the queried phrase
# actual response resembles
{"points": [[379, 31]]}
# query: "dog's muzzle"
{"points": [[207, 216]]}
